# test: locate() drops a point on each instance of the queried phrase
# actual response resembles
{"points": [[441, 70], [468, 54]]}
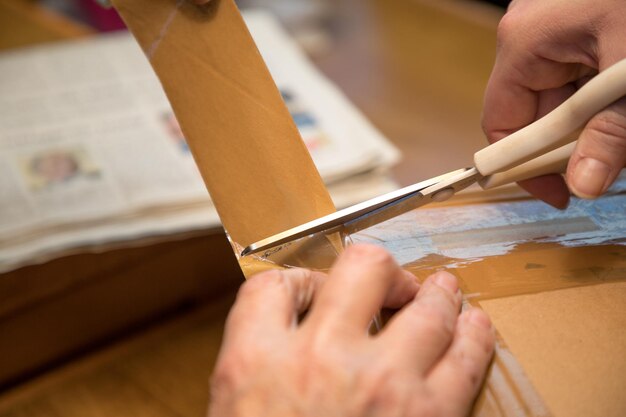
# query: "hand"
{"points": [[547, 50], [427, 361]]}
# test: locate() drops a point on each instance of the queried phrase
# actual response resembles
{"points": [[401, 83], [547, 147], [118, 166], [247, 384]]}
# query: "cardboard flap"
{"points": [[245, 143]]}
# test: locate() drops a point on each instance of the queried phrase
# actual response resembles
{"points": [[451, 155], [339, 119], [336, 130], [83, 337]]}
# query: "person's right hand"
{"points": [[546, 51]]}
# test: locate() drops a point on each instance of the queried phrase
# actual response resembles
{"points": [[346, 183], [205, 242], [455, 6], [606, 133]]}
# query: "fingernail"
{"points": [[447, 282], [590, 178], [479, 319]]}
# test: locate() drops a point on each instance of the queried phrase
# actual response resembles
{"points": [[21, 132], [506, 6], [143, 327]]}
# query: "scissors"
{"points": [[541, 148]]}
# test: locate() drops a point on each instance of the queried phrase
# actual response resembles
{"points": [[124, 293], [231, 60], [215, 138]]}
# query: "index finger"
{"points": [[513, 95], [513, 101], [364, 278], [529, 60]]}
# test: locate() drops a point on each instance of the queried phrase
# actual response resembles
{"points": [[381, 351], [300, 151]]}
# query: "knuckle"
{"points": [[374, 376], [322, 347], [382, 387], [608, 130], [434, 322], [479, 340], [484, 348], [237, 363], [226, 371], [473, 378], [470, 371], [487, 343], [517, 30], [323, 365], [507, 27]]}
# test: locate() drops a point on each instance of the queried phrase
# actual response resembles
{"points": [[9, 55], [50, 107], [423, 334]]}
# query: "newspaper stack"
{"points": [[90, 151]]}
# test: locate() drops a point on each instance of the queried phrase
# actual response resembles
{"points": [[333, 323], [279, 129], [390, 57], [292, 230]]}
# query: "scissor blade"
{"points": [[446, 187], [369, 213]]}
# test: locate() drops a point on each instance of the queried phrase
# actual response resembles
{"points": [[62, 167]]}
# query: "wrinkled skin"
{"points": [[427, 361]]}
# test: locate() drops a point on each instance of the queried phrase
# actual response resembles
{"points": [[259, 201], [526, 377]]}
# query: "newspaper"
{"points": [[90, 151]]}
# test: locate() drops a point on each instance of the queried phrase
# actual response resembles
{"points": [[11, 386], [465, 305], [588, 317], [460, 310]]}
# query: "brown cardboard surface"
{"points": [[249, 152], [572, 345], [560, 315], [559, 294], [533, 267]]}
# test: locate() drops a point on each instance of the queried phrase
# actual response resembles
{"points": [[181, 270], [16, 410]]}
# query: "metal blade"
{"points": [[374, 211]]}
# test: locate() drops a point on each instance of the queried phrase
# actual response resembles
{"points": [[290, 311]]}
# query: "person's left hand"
{"points": [[427, 361]]}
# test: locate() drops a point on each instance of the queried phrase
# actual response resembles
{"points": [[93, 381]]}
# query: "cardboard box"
{"points": [[262, 182]]}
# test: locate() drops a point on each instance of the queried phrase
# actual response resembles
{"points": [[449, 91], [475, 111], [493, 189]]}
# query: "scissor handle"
{"points": [[554, 162], [553, 130]]}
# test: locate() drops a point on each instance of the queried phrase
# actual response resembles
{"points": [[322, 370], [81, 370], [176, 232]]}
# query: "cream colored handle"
{"points": [[554, 162], [551, 131]]}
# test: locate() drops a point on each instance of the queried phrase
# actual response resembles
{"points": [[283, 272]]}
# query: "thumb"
{"points": [[600, 154]]}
